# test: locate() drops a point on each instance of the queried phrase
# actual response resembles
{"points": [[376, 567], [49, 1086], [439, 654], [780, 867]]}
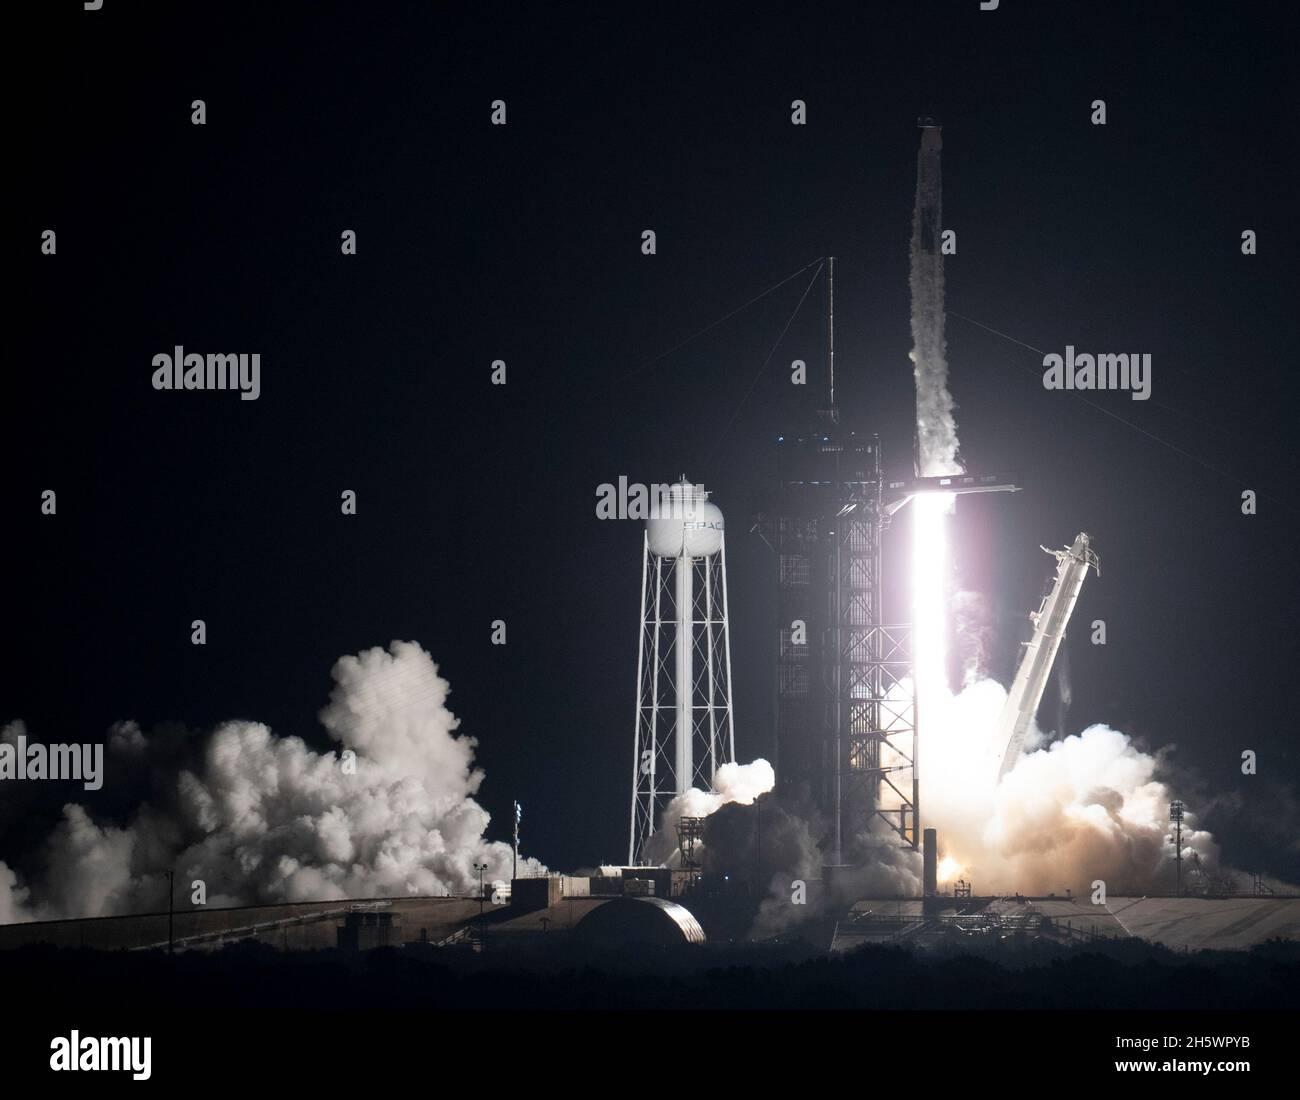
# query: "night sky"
{"points": [[522, 243]]}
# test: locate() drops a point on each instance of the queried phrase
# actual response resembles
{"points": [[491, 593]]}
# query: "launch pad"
{"points": [[1182, 924], [846, 730]]}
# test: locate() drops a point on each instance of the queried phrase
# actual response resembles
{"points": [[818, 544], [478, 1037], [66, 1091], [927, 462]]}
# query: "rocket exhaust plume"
{"points": [[1088, 807], [936, 427], [1084, 808], [262, 818]]}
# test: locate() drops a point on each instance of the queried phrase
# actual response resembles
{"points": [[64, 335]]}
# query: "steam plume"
{"points": [[262, 818], [1090, 806], [732, 783]]}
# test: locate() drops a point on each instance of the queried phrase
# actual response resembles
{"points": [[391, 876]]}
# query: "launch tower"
{"points": [[845, 743], [846, 740]]}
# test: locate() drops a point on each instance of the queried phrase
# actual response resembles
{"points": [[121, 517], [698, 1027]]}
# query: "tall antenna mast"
{"points": [[830, 325]]}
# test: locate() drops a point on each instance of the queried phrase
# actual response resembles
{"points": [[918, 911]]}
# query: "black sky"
{"points": [[523, 243]]}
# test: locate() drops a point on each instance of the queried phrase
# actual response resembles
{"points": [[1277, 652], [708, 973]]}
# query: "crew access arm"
{"points": [[1040, 651]]}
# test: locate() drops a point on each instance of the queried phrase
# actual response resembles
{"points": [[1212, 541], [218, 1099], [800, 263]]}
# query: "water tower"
{"points": [[684, 730]]}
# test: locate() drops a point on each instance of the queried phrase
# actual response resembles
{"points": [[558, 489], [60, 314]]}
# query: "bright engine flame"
{"points": [[929, 610], [1083, 807]]}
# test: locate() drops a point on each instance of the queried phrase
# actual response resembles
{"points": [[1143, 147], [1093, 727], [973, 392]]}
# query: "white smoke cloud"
{"points": [[739, 783], [1085, 807], [13, 898], [973, 633], [266, 819]]}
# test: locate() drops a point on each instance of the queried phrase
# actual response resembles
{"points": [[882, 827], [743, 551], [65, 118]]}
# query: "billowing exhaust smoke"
{"points": [[1090, 807], [936, 426], [261, 818], [732, 783]]}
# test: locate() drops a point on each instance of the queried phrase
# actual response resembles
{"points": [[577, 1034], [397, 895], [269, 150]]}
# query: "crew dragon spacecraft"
{"points": [[1040, 651]]}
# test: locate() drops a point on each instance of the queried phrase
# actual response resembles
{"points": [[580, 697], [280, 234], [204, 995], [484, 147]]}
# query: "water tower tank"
{"points": [[684, 523]]}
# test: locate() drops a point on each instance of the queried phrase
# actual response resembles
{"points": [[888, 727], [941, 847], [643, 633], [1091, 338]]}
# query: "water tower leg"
{"points": [[685, 673]]}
